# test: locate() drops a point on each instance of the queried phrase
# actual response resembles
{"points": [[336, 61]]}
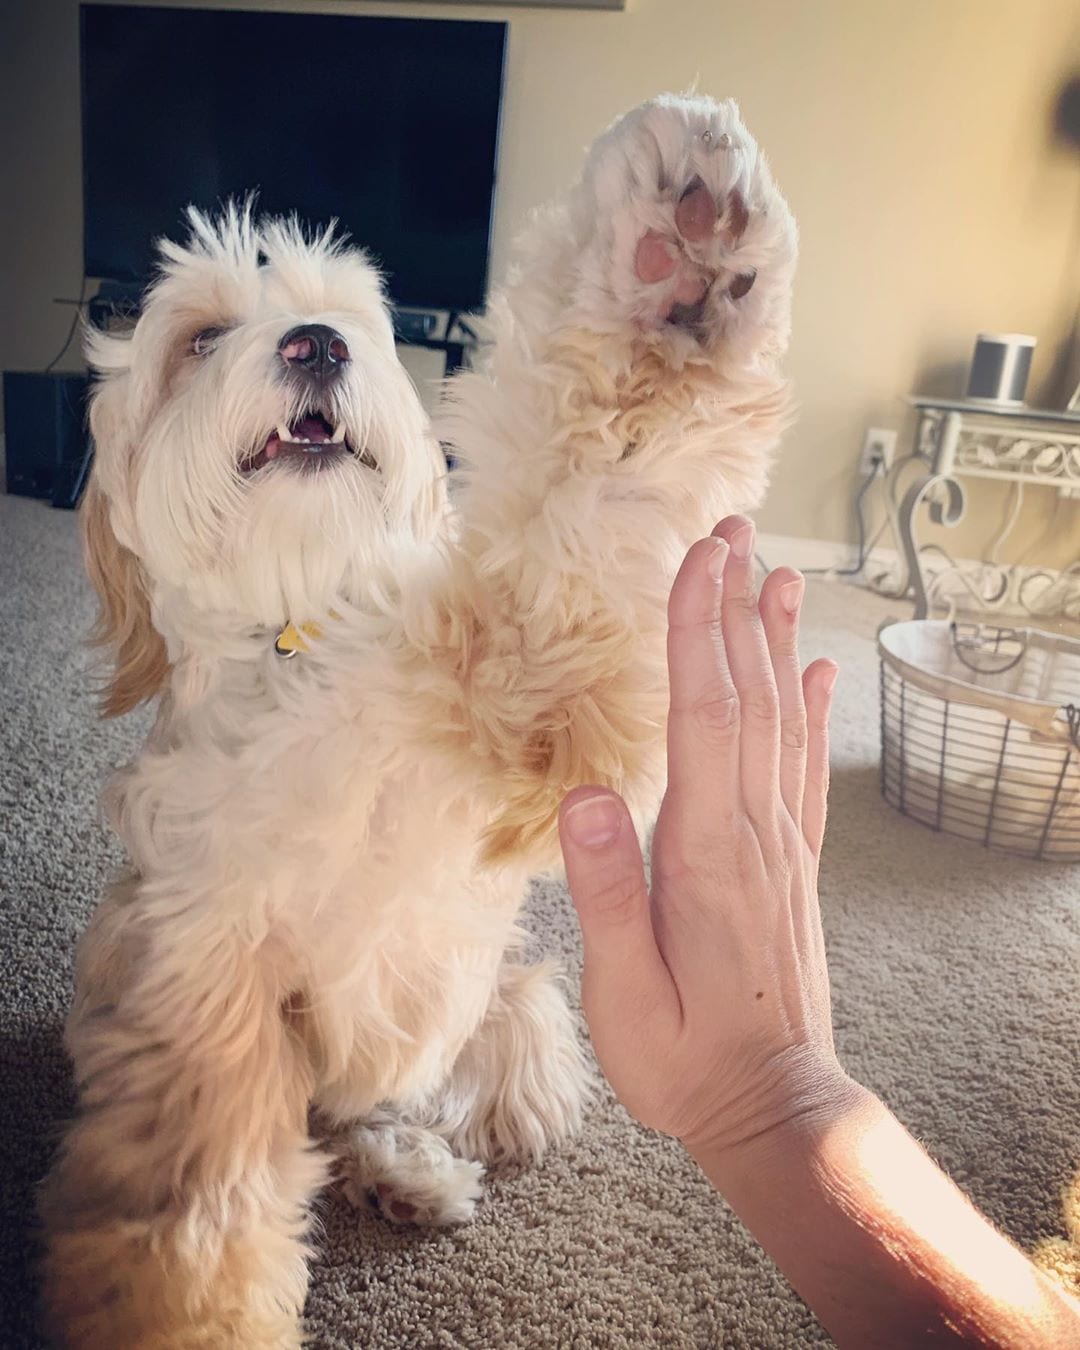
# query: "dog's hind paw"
{"points": [[408, 1175], [686, 228]]}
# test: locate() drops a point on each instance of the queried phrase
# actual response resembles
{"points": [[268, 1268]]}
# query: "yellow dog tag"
{"points": [[291, 638]]}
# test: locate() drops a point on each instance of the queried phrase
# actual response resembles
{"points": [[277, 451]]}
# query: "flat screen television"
{"points": [[391, 126]]}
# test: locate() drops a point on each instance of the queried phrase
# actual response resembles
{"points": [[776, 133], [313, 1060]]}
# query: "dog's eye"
{"points": [[204, 342]]}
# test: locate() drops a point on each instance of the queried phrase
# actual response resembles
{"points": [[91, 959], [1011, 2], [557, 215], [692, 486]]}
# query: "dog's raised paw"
{"points": [[687, 226]]}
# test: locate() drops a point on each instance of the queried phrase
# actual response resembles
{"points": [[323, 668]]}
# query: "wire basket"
{"points": [[980, 734]]}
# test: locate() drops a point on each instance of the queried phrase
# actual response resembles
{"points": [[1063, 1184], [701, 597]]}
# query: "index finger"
{"points": [[703, 723], [752, 671]]}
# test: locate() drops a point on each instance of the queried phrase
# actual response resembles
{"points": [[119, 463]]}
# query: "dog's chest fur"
{"points": [[358, 863]]}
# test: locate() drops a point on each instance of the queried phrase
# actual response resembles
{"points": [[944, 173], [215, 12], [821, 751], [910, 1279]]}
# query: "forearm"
{"points": [[879, 1242]]}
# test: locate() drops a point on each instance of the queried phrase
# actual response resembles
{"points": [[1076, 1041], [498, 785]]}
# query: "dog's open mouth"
{"points": [[310, 441]]}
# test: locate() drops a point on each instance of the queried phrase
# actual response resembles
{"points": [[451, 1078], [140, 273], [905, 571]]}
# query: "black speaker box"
{"points": [[46, 441]]}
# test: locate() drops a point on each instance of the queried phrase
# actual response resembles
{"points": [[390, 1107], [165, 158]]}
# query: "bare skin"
{"points": [[708, 999]]}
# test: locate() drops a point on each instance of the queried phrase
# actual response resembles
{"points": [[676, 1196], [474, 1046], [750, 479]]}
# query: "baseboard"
{"points": [[816, 555], [1040, 594]]}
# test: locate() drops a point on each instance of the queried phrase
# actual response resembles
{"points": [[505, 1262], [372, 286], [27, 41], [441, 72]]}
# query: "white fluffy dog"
{"points": [[328, 852]]}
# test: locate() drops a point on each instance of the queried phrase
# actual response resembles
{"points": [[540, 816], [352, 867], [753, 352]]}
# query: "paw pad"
{"points": [[689, 258], [696, 213], [385, 1202]]}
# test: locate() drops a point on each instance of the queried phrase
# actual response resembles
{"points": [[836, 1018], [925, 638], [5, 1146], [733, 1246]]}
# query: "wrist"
{"points": [[792, 1124]]}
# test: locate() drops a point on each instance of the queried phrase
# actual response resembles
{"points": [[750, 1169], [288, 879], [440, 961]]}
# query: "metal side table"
{"points": [[961, 438]]}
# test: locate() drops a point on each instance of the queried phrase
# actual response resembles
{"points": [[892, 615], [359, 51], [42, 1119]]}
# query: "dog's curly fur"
{"points": [[328, 854]]}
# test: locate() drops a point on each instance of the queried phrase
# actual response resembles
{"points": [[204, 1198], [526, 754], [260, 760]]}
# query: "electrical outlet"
{"points": [[879, 445]]}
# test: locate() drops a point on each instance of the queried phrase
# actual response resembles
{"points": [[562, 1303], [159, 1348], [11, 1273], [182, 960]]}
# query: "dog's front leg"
{"points": [[175, 1212], [522, 1080], [631, 399], [516, 1089]]}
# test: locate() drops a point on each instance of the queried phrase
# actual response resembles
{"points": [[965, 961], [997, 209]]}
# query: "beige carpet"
{"points": [[956, 990]]}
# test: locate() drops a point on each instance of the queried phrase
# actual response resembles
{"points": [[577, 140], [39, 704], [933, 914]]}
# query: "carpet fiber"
{"points": [[955, 989]]}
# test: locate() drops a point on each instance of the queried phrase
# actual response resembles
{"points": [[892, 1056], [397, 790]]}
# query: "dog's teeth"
{"points": [[339, 434], [283, 432]]}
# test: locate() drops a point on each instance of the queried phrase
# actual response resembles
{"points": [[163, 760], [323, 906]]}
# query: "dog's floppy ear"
{"points": [[136, 649], [124, 625]]}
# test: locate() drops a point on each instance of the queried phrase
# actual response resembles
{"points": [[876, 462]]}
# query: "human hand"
{"points": [[708, 1002]]}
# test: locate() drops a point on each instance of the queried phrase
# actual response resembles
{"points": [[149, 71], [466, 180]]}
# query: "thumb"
{"points": [[624, 970]]}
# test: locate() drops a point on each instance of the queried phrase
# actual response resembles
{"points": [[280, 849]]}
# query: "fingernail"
{"points": [[594, 822], [718, 559], [742, 542], [791, 594], [831, 677]]}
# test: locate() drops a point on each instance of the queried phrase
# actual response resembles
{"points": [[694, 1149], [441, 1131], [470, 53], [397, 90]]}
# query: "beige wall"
{"points": [[911, 137]]}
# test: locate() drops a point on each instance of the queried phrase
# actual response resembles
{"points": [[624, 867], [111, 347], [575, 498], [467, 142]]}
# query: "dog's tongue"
{"points": [[310, 429]]}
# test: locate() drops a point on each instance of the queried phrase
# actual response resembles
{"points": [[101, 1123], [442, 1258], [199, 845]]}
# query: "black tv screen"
{"points": [[388, 125]]}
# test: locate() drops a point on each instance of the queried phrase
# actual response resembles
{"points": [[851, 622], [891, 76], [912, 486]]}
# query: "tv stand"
{"points": [[457, 343]]}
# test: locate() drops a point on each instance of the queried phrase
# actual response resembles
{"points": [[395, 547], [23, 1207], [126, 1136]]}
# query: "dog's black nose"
{"points": [[315, 348]]}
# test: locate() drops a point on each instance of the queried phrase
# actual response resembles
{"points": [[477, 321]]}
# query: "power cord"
{"points": [[877, 467], [71, 331]]}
